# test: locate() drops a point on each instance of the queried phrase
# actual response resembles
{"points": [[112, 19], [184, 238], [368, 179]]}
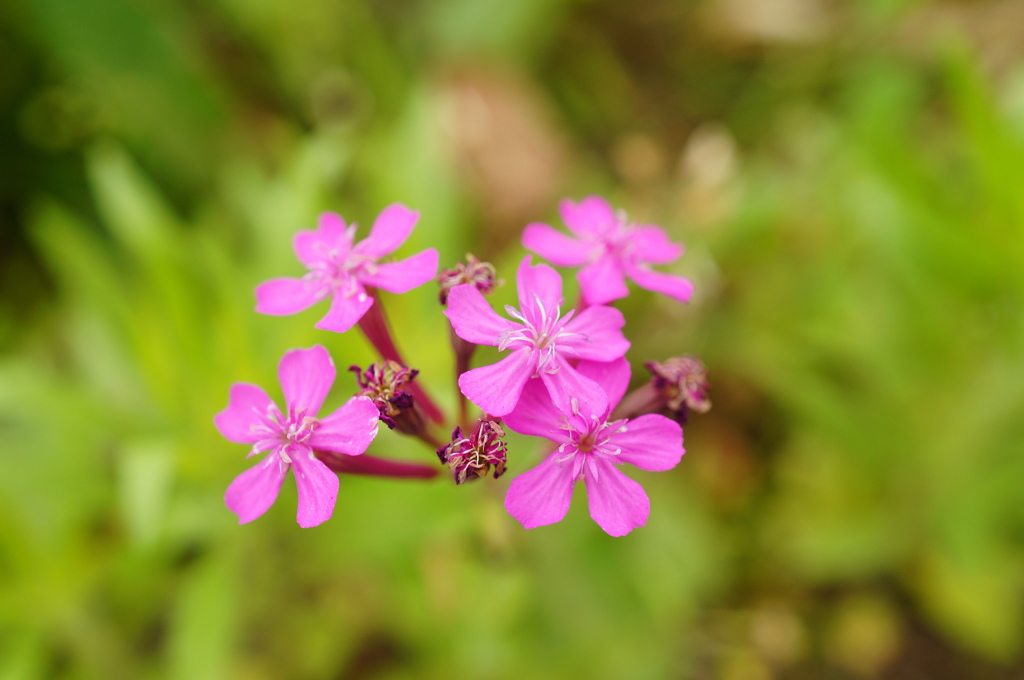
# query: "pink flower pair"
{"points": [[561, 381], [341, 269]]}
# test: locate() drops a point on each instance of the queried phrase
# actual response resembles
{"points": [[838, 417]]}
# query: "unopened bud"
{"points": [[677, 386], [473, 457], [682, 382], [382, 382], [480, 274]]}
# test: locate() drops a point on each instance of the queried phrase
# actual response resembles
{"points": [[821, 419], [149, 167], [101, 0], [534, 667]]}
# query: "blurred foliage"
{"points": [[849, 180]]}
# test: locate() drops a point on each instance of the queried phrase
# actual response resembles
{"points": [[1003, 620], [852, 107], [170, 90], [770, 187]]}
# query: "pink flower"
{"points": [[340, 268], [289, 439], [541, 339], [609, 248], [590, 448]]}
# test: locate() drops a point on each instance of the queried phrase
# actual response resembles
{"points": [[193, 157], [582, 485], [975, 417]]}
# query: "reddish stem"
{"points": [[378, 467], [463, 355], [410, 422], [375, 326]]}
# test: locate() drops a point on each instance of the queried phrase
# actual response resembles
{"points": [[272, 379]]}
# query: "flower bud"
{"points": [[382, 382], [677, 386], [471, 458], [682, 382], [480, 274]]}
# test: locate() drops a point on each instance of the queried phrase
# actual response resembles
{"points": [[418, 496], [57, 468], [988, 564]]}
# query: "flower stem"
{"points": [[410, 422], [378, 467], [463, 354], [375, 326], [432, 439]]}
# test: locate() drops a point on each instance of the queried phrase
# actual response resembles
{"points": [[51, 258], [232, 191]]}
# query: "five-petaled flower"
{"points": [[340, 267], [541, 339], [590, 448], [610, 249], [289, 438]]}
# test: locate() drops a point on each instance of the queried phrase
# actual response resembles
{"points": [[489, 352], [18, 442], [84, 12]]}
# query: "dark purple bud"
{"points": [[473, 457], [480, 274]]}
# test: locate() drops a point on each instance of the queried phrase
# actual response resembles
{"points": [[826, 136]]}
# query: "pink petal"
{"points": [[246, 402], [651, 244], [496, 388], [390, 230], [612, 376], [404, 275], [651, 442], [348, 430], [331, 227], [667, 284], [346, 310], [472, 318], [572, 392], [593, 215], [253, 492], [538, 282], [536, 415], [306, 377], [317, 485], [556, 247], [617, 503], [312, 247], [286, 295], [309, 247], [541, 496], [600, 334], [602, 281]]}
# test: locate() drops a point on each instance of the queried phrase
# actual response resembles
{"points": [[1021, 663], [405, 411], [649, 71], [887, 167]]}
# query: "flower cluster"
{"points": [[563, 375]]}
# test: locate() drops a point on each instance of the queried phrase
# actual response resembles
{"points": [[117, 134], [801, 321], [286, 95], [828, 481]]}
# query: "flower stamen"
{"points": [[544, 333]]}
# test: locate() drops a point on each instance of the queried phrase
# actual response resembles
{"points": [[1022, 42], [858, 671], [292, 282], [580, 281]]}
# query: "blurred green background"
{"points": [[849, 180]]}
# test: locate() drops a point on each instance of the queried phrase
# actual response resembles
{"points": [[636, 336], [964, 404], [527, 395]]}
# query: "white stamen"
{"points": [[544, 335]]}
